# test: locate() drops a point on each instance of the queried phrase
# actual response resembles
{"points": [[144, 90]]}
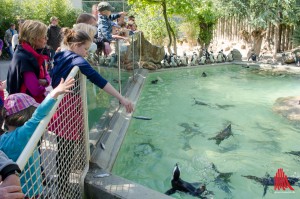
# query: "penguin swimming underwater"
{"points": [[267, 181], [154, 81], [180, 185]]}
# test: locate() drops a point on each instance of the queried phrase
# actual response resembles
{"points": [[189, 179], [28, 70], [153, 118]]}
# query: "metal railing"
{"points": [[119, 69], [58, 149]]}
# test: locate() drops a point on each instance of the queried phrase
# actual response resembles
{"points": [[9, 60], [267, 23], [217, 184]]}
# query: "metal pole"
{"points": [[119, 66], [83, 94], [132, 42], [140, 49]]}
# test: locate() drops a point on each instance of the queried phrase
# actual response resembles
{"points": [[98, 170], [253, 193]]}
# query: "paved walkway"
{"points": [[3, 69]]}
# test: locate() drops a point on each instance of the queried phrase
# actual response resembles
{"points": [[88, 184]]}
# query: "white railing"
{"points": [[60, 145]]}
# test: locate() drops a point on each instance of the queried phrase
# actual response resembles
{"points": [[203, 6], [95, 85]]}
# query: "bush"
{"points": [[296, 36], [37, 10]]}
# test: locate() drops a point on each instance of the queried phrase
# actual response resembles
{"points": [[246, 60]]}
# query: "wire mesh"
{"points": [[56, 166]]}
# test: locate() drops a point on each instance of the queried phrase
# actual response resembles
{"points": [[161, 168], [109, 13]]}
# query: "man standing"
{"points": [[8, 38], [54, 35], [15, 38]]}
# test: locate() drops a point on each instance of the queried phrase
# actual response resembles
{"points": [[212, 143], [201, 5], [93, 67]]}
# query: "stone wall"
{"points": [[146, 55]]}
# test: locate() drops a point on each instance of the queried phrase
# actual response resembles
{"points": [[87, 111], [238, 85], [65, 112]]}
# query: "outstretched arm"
{"points": [[112, 91], [63, 87]]}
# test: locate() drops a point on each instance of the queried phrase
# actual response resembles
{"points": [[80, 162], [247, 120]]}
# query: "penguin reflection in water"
{"points": [[191, 188]]}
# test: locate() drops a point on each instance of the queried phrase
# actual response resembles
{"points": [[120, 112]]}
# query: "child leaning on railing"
{"points": [[22, 114]]}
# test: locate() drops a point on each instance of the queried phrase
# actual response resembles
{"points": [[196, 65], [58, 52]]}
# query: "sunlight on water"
{"points": [[187, 109]]}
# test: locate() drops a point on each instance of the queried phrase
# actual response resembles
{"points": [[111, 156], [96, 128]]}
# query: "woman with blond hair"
{"points": [[27, 72]]}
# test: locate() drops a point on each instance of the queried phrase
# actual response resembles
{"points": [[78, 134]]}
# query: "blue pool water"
{"points": [[180, 129]]}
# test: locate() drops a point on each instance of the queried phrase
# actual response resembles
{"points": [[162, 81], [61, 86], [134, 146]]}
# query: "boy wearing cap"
{"points": [[22, 118], [105, 19]]}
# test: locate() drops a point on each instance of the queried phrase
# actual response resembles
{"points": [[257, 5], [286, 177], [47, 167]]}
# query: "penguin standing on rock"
{"points": [[180, 185], [194, 59], [173, 61]]}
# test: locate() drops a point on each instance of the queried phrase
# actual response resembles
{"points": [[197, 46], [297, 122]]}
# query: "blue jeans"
{"points": [[11, 52]]}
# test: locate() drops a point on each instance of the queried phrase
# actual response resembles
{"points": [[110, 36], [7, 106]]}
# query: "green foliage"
{"points": [[199, 14], [207, 18], [260, 12], [42, 10], [296, 36], [7, 7], [150, 20], [190, 30], [152, 25], [119, 7]]}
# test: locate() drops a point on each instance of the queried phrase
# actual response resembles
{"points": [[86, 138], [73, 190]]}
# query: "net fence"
{"points": [[57, 151]]}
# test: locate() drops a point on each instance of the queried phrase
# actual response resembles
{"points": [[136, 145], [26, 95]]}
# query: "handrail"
{"points": [[36, 136]]}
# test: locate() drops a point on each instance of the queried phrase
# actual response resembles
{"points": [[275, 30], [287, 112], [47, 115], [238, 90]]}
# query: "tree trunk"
{"points": [[231, 28], [167, 25], [272, 37], [268, 36], [223, 27], [258, 36], [287, 37], [278, 46], [291, 34], [283, 34], [276, 40], [174, 39]]}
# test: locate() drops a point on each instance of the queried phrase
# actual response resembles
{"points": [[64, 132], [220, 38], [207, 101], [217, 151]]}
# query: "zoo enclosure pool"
{"points": [[180, 128]]}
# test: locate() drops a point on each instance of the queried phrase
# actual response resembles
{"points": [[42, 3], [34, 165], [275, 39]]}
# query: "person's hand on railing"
{"points": [[107, 48], [2, 85], [11, 180], [10, 188], [123, 13], [63, 87], [11, 192], [127, 104]]}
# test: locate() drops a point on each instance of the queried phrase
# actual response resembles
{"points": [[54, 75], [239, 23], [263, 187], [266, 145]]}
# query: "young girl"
{"points": [[22, 118], [77, 43]]}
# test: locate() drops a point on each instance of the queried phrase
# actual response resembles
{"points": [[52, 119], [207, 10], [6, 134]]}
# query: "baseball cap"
{"points": [[115, 25], [105, 6], [17, 102]]}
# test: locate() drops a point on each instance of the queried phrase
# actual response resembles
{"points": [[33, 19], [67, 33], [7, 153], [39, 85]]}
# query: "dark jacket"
{"points": [[65, 61], [7, 166], [54, 37], [22, 61]]}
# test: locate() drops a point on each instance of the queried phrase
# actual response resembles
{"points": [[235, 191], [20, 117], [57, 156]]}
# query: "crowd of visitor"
{"points": [[41, 58]]}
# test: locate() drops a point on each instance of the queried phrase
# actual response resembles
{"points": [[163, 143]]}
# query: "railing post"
{"points": [[133, 57], [83, 93], [119, 65], [140, 48]]}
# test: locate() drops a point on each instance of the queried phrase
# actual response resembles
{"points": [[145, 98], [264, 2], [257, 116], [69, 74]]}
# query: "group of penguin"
{"points": [[173, 60]]}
